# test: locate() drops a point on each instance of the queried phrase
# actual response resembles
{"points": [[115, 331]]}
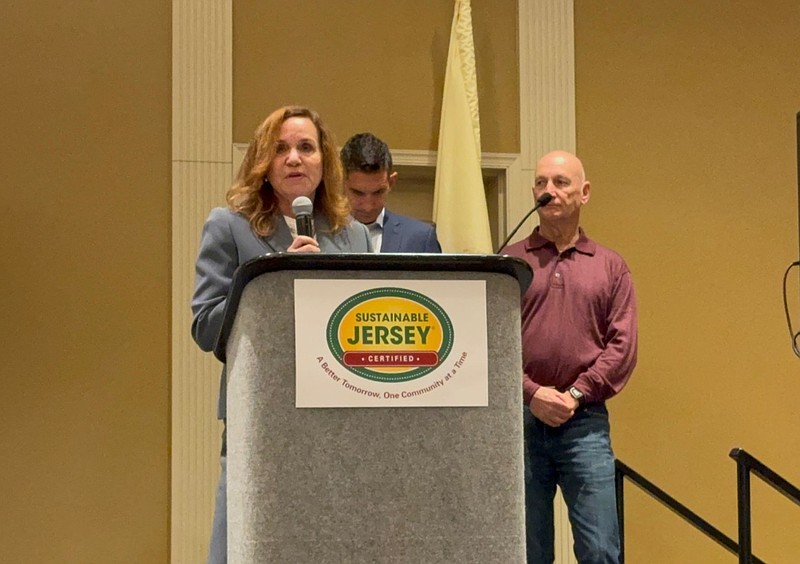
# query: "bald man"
{"points": [[579, 340]]}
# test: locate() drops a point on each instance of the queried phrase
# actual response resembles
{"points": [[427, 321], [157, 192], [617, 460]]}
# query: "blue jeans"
{"points": [[577, 457]]}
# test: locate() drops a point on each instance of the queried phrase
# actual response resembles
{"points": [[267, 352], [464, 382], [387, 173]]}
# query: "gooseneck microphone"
{"points": [[303, 209], [541, 201]]}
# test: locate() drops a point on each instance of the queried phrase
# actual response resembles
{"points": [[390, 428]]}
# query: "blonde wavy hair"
{"points": [[253, 196]]}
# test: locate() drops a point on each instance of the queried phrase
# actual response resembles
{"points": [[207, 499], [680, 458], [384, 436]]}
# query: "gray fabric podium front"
{"points": [[347, 485]]}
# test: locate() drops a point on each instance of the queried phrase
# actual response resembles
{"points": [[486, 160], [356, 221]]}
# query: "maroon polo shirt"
{"points": [[578, 318]]}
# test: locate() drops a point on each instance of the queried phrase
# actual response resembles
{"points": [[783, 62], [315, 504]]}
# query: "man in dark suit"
{"points": [[368, 180]]}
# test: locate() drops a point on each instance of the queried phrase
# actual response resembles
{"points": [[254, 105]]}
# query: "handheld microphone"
{"points": [[303, 209], [541, 201]]}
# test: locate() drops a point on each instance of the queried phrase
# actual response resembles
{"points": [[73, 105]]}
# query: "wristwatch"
{"points": [[577, 394]]}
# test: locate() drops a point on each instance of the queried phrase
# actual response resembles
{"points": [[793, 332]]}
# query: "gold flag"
{"points": [[459, 199]]}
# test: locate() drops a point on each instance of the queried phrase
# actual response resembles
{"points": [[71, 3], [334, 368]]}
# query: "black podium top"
{"points": [[499, 264]]}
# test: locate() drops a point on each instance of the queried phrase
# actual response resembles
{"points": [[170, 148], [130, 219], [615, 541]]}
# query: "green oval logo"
{"points": [[390, 334]]}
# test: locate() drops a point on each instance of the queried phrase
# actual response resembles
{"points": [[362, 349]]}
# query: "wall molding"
{"points": [[506, 167]]}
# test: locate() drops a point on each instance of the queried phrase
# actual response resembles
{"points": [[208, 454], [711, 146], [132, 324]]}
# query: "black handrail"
{"points": [[625, 471], [745, 464]]}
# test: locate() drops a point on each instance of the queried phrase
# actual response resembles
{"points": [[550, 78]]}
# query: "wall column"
{"points": [[547, 122], [201, 172], [546, 91]]}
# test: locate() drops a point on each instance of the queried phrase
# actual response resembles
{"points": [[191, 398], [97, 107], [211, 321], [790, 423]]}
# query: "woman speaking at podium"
{"points": [[292, 155]]}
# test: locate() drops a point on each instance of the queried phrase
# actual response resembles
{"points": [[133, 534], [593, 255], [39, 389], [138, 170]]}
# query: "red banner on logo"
{"points": [[391, 358]]}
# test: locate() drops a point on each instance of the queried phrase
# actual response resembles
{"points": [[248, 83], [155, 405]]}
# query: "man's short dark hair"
{"points": [[365, 153]]}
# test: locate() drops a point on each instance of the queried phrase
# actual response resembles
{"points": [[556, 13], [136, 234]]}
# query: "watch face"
{"points": [[576, 393]]}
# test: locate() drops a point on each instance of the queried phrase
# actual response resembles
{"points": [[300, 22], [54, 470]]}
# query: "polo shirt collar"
{"points": [[583, 245]]}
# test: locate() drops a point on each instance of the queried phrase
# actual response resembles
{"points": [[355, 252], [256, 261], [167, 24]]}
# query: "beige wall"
{"points": [[368, 65], [686, 123], [85, 260]]}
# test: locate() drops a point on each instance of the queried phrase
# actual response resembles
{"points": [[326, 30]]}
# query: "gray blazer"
{"points": [[227, 242], [403, 234]]}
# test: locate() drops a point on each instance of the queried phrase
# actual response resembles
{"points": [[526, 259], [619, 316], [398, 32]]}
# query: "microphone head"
{"points": [[542, 200], [302, 206]]}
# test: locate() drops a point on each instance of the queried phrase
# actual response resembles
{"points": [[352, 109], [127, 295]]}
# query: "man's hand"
{"points": [[303, 244], [552, 407]]}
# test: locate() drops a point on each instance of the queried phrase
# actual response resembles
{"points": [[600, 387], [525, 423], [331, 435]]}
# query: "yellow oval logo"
{"points": [[390, 334]]}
